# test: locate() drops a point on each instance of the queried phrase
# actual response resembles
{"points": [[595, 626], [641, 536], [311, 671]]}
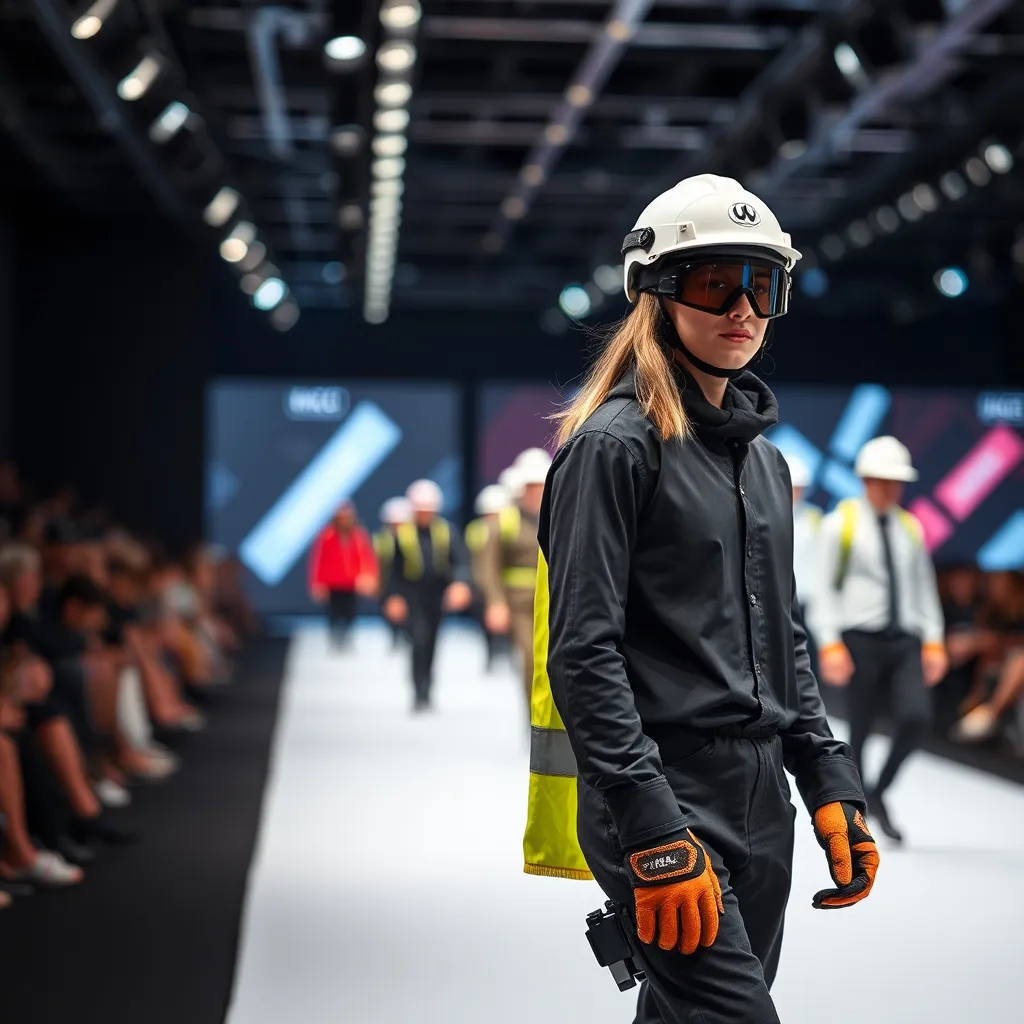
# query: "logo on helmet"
{"points": [[743, 213]]}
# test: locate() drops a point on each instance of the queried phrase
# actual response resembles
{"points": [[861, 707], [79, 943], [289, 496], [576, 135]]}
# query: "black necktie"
{"points": [[893, 625]]}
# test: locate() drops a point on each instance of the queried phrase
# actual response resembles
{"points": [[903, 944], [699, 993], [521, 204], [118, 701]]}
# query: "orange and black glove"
{"points": [[677, 895], [852, 855]]}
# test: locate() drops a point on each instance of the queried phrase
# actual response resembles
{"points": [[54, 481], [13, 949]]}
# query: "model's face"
{"points": [[423, 517], [728, 341], [884, 493], [345, 517], [533, 496], [798, 493]]}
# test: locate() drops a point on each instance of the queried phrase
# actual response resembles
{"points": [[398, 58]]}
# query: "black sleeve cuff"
{"points": [[645, 812], [830, 779]]}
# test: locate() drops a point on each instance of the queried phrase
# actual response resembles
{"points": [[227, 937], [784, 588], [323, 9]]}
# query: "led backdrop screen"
{"points": [[967, 445], [281, 456]]}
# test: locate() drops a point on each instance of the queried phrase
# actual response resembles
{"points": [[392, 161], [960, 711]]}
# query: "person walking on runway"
{"points": [[342, 568], [675, 659], [877, 613], [428, 577], [806, 524], [393, 513], [491, 503], [508, 563]]}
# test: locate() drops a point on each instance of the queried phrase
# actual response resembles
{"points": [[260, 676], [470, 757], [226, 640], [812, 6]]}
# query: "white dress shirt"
{"points": [[806, 524], [863, 600]]}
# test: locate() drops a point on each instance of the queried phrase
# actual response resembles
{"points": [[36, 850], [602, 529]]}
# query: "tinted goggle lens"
{"points": [[716, 287]]}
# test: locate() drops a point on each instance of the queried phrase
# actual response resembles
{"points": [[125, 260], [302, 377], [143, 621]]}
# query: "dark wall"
{"points": [[6, 338], [110, 366]]}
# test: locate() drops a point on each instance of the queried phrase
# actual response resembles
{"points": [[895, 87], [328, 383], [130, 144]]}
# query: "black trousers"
{"points": [[425, 614], [735, 794], [341, 610], [887, 676]]}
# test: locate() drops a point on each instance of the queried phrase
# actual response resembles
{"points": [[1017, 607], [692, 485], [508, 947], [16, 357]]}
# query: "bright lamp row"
{"points": [[395, 59]]}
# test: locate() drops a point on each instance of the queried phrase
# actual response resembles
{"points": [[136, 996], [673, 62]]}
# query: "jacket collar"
{"points": [[748, 409]]}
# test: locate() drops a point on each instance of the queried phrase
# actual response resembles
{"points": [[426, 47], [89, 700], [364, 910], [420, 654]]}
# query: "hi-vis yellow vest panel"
{"points": [[847, 509], [550, 846], [412, 553]]}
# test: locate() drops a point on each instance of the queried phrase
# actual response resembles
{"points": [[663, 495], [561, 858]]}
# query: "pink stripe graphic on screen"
{"points": [[937, 528], [980, 471]]}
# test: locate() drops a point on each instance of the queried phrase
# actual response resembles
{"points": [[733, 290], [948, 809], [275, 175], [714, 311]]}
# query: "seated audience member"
{"points": [[966, 641], [1001, 658], [47, 718], [229, 600]]}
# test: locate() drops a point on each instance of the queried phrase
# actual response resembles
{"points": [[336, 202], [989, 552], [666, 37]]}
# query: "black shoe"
{"points": [[103, 830], [420, 704], [75, 853], [877, 810]]}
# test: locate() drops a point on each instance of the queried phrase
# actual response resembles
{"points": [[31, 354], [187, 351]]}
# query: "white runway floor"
{"points": [[387, 887]]}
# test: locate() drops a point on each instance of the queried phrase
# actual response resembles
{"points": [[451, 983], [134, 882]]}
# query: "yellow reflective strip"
{"points": [[519, 577]]}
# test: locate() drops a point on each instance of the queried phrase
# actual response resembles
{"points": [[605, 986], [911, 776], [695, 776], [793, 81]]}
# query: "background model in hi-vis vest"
{"points": [[508, 562], [676, 657], [393, 513], [428, 577], [877, 614], [493, 500]]}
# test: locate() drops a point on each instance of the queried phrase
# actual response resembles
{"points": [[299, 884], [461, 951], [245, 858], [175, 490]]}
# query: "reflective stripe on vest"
{"points": [[384, 545], [476, 535], [519, 577], [847, 510], [550, 846], [412, 553]]}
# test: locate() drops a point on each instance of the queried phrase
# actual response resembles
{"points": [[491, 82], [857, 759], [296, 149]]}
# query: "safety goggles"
{"points": [[715, 284]]}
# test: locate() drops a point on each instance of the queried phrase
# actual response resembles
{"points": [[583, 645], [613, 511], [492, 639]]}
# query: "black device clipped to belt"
{"points": [[608, 935]]}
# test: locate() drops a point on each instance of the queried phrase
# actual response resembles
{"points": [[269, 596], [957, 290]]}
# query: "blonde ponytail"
{"points": [[633, 342]]}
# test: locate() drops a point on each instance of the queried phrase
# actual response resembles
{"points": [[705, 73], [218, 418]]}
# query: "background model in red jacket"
{"points": [[342, 567]]}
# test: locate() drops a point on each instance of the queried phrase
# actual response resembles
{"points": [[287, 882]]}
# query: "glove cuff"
{"points": [[676, 858]]}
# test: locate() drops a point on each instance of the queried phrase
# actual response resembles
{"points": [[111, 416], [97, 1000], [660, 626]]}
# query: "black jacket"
{"points": [[672, 607]]}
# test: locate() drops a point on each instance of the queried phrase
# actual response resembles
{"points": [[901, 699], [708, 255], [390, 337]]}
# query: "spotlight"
{"points": [[270, 294], [86, 26], [848, 62], [556, 134], [235, 247], [532, 175], [375, 314], [814, 283], [254, 257], [389, 145], [999, 158], [387, 187], [575, 301], [887, 219], [832, 246], [346, 139], [397, 55], [400, 14], [137, 82], [350, 217], [385, 205], [953, 186], [579, 95], [977, 170], [513, 207], [345, 49], [388, 167], [221, 207], [608, 279], [859, 234], [392, 94], [169, 123], [925, 197], [951, 282], [391, 120], [909, 208], [286, 315]]}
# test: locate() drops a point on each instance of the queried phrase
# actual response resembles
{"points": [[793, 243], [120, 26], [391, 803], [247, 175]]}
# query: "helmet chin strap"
{"points": [[670, 336]]}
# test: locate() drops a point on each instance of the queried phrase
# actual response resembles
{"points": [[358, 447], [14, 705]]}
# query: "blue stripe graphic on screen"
{"points": [[221, 486], [448, 476], [860, 421], [792, 444], [354, 451], [1005, 548], [840, 482]]}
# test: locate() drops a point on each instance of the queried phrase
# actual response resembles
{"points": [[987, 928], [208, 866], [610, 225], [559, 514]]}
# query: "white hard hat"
{"points": [[425, 496], [509, 479], [698, 213], [531, 466], [798, 471], [885, 458], [395, 511], [492, 499]]}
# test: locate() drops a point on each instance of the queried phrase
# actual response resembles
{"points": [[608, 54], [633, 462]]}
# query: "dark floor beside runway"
{"points": [[150, 936]]}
